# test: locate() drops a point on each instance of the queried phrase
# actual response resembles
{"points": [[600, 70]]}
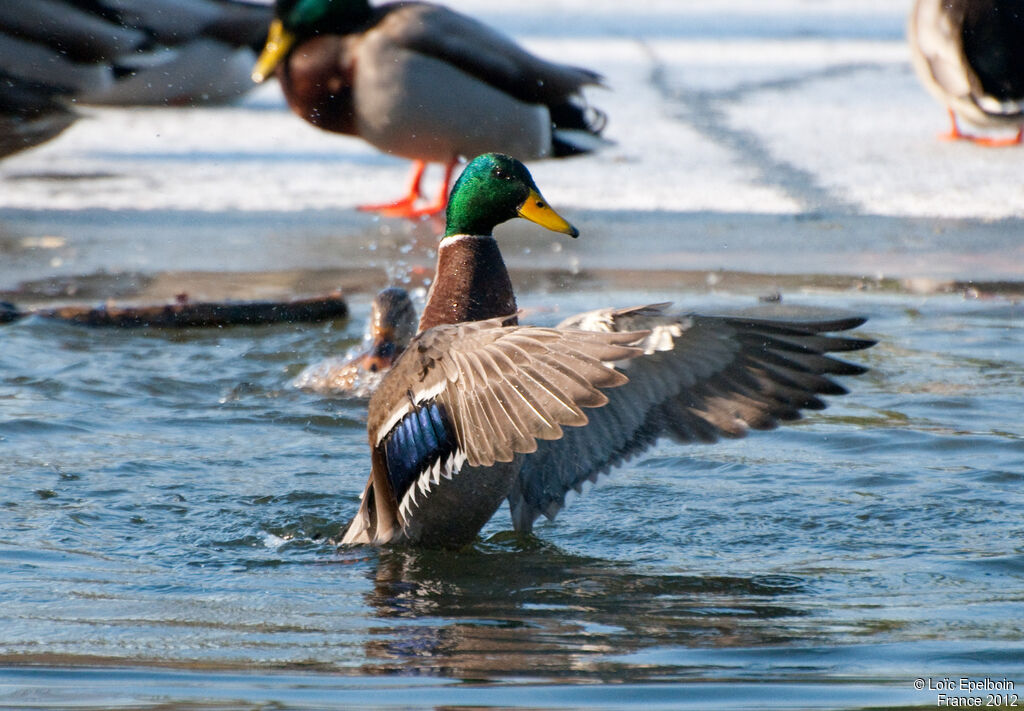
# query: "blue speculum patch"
{"points": [[421, 438]]}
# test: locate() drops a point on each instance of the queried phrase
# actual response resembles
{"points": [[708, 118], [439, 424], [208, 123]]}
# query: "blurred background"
{"points": [[800, 123]]}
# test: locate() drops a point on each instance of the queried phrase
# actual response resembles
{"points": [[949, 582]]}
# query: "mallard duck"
{"points": [[970, 55], [424, 82], [392, 325], [57, 53], [479, 410]]}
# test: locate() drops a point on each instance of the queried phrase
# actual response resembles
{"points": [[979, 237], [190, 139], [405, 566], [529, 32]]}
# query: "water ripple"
{"points": [[168, 498]]}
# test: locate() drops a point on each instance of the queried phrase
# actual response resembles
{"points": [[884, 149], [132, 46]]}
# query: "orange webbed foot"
{"points": [[955, 134], [992, 142], [404, 207]]}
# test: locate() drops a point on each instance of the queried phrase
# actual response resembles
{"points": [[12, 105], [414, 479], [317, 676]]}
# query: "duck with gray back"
{"points": [[421, 81]]}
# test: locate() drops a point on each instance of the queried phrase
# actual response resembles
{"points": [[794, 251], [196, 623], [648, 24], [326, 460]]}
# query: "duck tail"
{"points": [[576, 129]]}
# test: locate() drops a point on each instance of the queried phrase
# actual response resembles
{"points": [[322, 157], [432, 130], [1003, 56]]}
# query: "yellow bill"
{"points": [[279, 41], [536, 209]]}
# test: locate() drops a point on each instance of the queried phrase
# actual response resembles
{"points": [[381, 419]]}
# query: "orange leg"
{"points": [[955, 134], [441, 201], [406, 206], [954, 130], [412, 194]]}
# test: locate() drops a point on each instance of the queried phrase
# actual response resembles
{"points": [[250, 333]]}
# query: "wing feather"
{"points": [[522, 440], [541, 380], [504, 387], [700, 378]]}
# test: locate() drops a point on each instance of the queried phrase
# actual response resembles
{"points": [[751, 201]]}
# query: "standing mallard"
{"points": [[421, 81], [970, 55], [479, 411]]}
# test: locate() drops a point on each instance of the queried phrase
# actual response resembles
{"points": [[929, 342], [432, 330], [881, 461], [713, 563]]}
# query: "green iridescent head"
{"points": [[493, 189]]}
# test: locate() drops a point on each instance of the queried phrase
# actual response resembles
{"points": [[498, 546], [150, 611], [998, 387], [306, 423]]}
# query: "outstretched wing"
{"points": [[701, 378], [478, 394]]}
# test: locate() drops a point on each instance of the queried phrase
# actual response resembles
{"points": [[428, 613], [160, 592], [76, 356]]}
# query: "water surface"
{"points": [[169, 503]]}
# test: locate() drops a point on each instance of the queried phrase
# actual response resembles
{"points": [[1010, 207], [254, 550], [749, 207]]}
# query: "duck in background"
{"points": [[424, 82], [479, 411], [970, 55], [58, 53], [30, 114], [392, 325]]}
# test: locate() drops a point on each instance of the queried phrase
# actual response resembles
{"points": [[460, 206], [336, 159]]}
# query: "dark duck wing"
{"points": [[30, 114], [993, 45], [700, 378], [446, 427]]}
